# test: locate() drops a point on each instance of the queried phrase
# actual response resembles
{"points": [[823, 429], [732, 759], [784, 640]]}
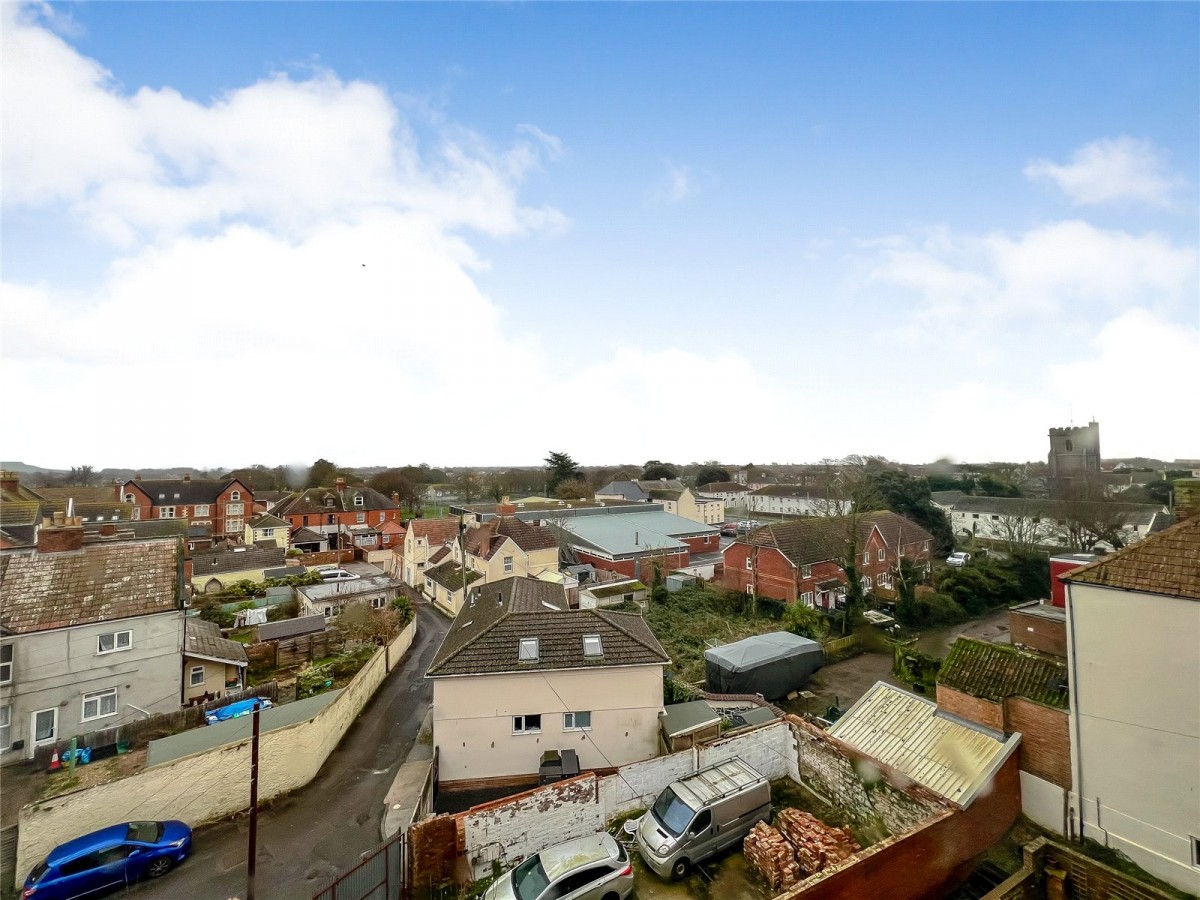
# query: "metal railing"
{"points": [[381, 874]]}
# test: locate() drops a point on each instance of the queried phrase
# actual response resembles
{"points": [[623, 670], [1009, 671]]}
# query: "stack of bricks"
{"points": [[817, 845], [770, 854]]}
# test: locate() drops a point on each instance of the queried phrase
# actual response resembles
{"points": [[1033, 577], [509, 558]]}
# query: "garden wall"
{"points": [[209, 785]]}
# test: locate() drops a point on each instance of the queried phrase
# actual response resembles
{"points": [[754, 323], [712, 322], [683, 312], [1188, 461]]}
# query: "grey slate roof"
{"points": [[290, 628], [630, 490], [203, 638], [450, 575], [486, 636], [267, 520], [217, 562], [42, 591], [308, 536], [313, 500], [1140, 514], [162, 492]]}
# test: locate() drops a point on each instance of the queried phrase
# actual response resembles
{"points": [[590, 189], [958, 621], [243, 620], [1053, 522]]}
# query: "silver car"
{"points": [[590, 868]]}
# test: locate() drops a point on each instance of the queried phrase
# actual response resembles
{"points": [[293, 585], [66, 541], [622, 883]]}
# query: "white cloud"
{"points": [[1111, 170], [679, 183]]}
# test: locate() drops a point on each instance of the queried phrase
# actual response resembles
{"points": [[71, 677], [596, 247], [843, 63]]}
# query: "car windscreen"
{"points": [[672, 813], [529, 879], [146, 832], [38, 871]]}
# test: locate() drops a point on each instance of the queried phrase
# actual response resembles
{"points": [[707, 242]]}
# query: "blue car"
{"points": [[236, 710], [110, 858]]}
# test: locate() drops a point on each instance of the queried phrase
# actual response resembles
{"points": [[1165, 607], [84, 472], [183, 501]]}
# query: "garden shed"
{"points": [[772, 664]]}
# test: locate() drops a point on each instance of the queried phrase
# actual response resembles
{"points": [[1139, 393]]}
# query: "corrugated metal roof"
{"points": [[637, 532], [949, 756]]}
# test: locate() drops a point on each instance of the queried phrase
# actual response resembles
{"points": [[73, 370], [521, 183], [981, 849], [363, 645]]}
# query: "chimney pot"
{"points": [[341, 483], [187, 476], [137, 477]]}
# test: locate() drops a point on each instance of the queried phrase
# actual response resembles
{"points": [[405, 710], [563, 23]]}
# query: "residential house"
{"points": [[634, 541], [21, 511], [308, 541], [1133, 655], [331, 599], [445, 579], [90, 635], [1046, 522], [334, 511], [676, 498], [519, 674], [212, 665], [267, 530], [796, 500], [728, 492], [216, 570], [223, 505], [423, 539], [902, 539], [1012, 690], [802, 560]]}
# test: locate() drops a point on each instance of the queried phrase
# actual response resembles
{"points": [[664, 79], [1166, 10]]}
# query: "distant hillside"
{"points": [[27, 469]]}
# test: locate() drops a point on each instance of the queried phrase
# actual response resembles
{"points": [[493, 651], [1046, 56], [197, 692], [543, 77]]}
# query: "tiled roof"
{"points": [[955, 758], [723, 487], [268, 520], [20, 512], [58, 496], [450, 575], [203, 638], [630, 490], [307, 536], [664, 494], [100, 582], [525, 535], [804, 541], [439, 555], [486, 636], [289, 628], [197, 490], [996, 671], [661, 484], [437, 531], [947, 498], [1164, 563], [217, 562], [897, 531], [316, 500]]}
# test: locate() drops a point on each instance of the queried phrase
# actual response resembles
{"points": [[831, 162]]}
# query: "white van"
{"points": [[702, 814]]}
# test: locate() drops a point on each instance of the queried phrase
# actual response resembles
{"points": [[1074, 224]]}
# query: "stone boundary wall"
{"points": [[209, 785]]}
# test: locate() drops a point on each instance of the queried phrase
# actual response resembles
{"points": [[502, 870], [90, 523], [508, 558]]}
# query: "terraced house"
{"points": [[347, 514], [223, 506], [90, 635]]}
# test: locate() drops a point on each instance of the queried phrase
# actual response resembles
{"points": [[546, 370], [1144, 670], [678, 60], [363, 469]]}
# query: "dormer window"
{"points": [[358, 500], [528, 651], [233, 495], [592, 645], [329, 503], [129, 498], [176, 496]]}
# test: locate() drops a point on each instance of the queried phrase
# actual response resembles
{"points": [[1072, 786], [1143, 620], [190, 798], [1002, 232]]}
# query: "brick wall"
{"points": [[709, 543], [1045, 738], [775, 577], [434, 846], [1085, 878], [1038, 632], [974, 709]]}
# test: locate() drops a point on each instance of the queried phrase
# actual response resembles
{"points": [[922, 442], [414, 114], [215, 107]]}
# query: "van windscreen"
{"points": [[672, 813]]}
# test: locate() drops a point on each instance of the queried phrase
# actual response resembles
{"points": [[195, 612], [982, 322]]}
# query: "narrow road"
{"points": [[305, 839]]}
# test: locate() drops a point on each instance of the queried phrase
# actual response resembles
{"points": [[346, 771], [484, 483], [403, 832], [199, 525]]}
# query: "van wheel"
{"points": [[680, 869], [611, 896], [160, 866]]}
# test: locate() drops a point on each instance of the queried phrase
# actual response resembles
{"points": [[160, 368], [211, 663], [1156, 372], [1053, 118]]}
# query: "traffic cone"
{"points": [[54, 763]]}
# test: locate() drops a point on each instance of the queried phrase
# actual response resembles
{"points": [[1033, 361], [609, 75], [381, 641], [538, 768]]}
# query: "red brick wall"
{"points": [[775, 576], [974, 709], [1037, 633], [707, 544], [931, 859], [1045, 739], [322, 517]]}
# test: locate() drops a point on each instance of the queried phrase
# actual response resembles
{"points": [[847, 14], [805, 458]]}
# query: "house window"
{"points": [[592, 645], [528, 650], [882, 554], [577, 721], [360, 518], [806, 571], [527, 724], [927, 544], [234, 509], [6, 663], [866, 582], [866, 557], [45, 725], [5, 722], [381, 517], [358, 500], [202, 509], [1070, 446], [885, 581], [1195, 846], [329, 503], [428, 584], [378, 602], [166, 512], [196, 676], [508, 564], [113, 641], [99, 704], [235, 495], [807, 598], [268, 532], [749, 562], [233, 526]]}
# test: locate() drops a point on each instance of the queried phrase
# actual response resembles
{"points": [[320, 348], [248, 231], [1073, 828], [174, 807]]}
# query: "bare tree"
{"points": [[1025, 528]]}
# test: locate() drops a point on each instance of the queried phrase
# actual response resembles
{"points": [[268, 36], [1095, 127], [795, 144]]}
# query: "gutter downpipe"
{"points": [[1076, 746]]}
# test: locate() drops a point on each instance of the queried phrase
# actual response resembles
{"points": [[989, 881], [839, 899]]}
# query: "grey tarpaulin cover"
{"points": [[770, 664]]}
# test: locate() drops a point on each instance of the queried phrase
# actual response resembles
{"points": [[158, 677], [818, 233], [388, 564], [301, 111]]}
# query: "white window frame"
{"points": [[201, 509], [596, 642], [360, 518], [6, 665], [98, 697], [520, 724], [866, 557], [268, 532], [235, 495], [5, 727], [528, 650], [571, 718], [358, 500], [166, 512], [33, 738], [508, 564], [234, 509], [379, 602], [807, 598], [128, 498], [806, 571], [882, 554], [750, 563], [117, 647], [192, 682], [234, 526], [865, 582]]}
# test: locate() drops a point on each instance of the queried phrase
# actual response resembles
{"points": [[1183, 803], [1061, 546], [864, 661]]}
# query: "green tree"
{"points": [[81, 475], [560, 468], [394, 481], [322, 473], [468, 485], [910, 497], [710, 474], [574, 489], [802, 619], [655, 469]]}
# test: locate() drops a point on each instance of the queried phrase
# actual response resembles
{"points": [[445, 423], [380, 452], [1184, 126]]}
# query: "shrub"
{"points": [[660, 594], [805, 621], [404, 607]]}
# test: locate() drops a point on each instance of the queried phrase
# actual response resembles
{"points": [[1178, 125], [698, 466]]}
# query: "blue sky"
{"points": [[682, 231]]}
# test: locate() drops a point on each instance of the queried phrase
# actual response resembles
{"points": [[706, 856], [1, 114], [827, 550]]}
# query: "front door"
{"points": [[43, 726]]}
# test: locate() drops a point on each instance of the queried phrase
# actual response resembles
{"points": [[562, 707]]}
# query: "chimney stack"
{"points": [[60, 534], [1187, 498], [137, 477], [341, 484], [396, 497], [10, 482], [187, 476]]}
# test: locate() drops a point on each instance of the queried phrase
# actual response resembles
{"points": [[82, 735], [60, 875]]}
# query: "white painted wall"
{"points": [[1042, 802], [1135, 724]]}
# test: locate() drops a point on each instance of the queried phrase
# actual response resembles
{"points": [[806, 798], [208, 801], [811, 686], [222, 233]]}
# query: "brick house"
{"points": [[222, 505], [902, 539], [632, 541], [1012, 690], [335, 511]]}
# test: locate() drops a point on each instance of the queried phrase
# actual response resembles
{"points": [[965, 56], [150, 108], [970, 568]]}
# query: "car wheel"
{"points": [[680, 869], [160, 866], [611, 896]]}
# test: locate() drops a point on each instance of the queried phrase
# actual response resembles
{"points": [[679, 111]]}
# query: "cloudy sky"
{"points": [[388, 234]]}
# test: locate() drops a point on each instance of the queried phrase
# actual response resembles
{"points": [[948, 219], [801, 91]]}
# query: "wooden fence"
{"points": [[293, 652], [839, 647], [156, 726]]}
